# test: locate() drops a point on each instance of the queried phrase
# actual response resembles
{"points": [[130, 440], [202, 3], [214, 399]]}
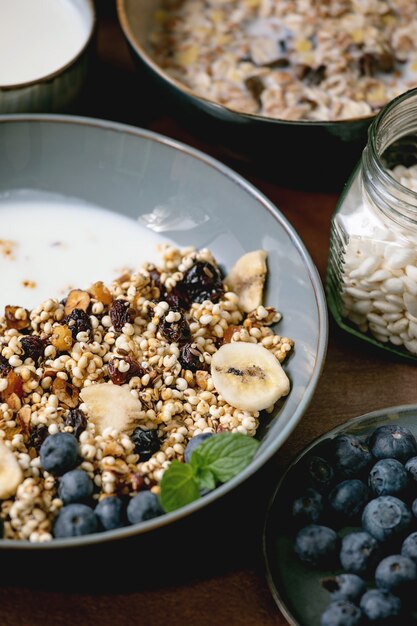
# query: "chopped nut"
{"points": [[14, 322], [65, 392]]}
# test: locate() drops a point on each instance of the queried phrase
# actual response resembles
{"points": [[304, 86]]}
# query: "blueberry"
{"points": [[75, 520], [75, 486], [388, 477], [110, 513], [409, 547], [320, 473], [59, 453], [411, 467], [386, 517], [146, 441], [351, 455], [194, 443], [396, 573], [348, 498], [359, 553], [414, 508], [145, 505], [341, 613], [316, 545], [308, 508], [345, 587], [380, 606], [392, 441]]}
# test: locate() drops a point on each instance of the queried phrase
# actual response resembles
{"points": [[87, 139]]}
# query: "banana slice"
{"points": [[111, 406], [11, 474], [248, 376], [247, 279]]}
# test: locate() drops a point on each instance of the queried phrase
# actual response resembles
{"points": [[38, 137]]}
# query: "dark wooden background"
{"points": [[127, 585]]}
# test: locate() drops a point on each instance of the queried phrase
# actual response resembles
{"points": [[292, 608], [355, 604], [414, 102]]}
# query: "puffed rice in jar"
{"points": [[372, 270]]}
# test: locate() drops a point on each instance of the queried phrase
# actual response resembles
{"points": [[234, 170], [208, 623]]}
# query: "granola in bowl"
{"points": [[100, 392], [290, 59]]}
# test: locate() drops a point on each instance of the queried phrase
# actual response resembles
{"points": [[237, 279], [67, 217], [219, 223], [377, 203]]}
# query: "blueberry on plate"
{"points": [[59, 453], [379, 606], [359, 553], [111, 513], [318, 473], [414, 507], [411, 467], [396, 573], [351, 455], [308, 508], [388, 477], [386, 517], [341, 613], [75, 520], [345, 587], [393, 442], [75, 486], [317, 545], [348, 498], [409, 547], [194, 443], [145, 505]]}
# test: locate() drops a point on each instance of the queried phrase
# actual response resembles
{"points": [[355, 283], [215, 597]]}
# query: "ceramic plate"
{"points": [[296, 587], [190, 199]]}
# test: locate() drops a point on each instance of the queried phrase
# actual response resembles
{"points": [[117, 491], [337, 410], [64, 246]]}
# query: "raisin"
{"points": [[177, 300], [120, 314], [155, 276], [5, 367], [77, 420], [202, 282], [120, 378], [175, 332], [78, 321], [191, 359], [33, 347], [146, 441], [255, 86], [37, 437]]}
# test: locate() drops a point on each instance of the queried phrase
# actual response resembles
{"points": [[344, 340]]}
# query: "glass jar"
{"points": [[372, 271]]}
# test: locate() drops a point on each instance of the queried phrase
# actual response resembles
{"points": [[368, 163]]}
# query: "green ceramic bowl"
{"points": [[299, 153], [135, 172]]}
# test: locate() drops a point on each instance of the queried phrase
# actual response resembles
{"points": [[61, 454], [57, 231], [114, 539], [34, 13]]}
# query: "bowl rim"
{"points": [[341, 428], [49, 77], [122, 14], [322, 339]]}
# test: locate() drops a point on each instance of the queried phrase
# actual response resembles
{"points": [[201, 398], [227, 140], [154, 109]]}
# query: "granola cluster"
{"points": [[290, 59], [137, 335]]}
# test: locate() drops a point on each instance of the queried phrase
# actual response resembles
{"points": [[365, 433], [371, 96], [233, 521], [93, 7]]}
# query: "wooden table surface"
{"points": [[356, 379]]}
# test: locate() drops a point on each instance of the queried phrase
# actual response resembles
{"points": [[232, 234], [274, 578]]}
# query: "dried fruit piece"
{"points": [[175, 332], [62, 338], [121, 313], [248, 376], [100, 292], [192, 359], [78, 321], [247, 279], [229, 332], [119, 377], [5, 367], [14, 386], [77, 421], [177, 300], [65, 392], [77, 299], [202, 282], [23, 419], [12, 321], [37, 437], [11, 474], [33, 347], [111, 406]]}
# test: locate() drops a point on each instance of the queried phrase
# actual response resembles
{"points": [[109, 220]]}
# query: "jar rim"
{"points": [[382, 172]]}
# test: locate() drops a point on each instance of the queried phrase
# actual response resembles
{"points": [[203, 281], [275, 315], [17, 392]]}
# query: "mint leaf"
{"points": [[205, 479], [224, 455], [178, 486]]}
